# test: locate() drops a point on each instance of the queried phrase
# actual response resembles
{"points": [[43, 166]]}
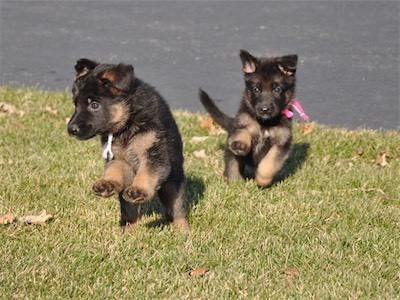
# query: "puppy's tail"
{"points": [[220, 117]]}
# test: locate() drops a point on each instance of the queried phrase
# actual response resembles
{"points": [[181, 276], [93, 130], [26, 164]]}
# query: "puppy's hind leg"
{"points": [[172, 196], [234, 168], [130, 213]]}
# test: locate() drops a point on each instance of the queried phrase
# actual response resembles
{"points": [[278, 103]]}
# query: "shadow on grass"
{"points": [[297, 157], [194, 193]]}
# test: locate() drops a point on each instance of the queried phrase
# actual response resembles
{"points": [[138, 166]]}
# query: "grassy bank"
{"points": [[328, 228]]}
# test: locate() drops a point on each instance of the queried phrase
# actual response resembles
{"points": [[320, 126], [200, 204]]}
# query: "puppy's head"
{"points": [[99, 93], [270, 84]]}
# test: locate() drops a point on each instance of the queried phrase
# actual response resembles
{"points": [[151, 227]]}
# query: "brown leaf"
{"points": [[207, 124], [40, 219], [48, 109], [7, 219], [143, 245], [199, 139], [307, 128], [381, 159], [198, 272], [365, 189], [200, 153], [360, 152], [7, 108], [292, 272], [10, 109]]}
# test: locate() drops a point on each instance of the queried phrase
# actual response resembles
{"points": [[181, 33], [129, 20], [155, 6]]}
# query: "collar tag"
{"points": [[107, 152]]}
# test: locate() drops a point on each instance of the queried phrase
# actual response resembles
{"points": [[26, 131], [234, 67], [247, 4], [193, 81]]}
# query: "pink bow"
{"points": [[297, 106]]}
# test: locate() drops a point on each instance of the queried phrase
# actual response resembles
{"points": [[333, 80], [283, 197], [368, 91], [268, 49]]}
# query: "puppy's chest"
{"points": [[135, 151], [261, 142]]}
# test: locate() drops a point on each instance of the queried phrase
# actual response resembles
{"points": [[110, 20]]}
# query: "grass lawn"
{"points": [[329, 228]]}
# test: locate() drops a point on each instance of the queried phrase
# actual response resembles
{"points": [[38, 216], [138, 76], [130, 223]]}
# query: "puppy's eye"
{"points": [[94, 105], [278, 89], [256, 89], [106, 83]]}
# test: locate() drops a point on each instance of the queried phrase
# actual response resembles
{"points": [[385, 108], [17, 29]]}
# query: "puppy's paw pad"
{"points": [[239, 148], [135, 195], [105, 188]]}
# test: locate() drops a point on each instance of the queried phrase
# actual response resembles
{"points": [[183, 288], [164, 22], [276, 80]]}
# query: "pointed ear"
{"points": [[287, 64], [249, 62], [119, 79], [83, 66]]}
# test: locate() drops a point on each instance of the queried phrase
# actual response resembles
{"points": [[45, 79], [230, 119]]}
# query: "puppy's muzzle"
{"points": [[73, 129], [266, 111], [81, 131]]}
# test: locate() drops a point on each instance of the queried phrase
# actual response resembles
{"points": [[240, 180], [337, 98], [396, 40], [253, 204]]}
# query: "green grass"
{"points": [[335, 219]]}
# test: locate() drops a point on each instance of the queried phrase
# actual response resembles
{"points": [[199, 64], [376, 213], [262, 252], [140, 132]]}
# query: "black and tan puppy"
{"points": [[259, 135], [145, 157]]}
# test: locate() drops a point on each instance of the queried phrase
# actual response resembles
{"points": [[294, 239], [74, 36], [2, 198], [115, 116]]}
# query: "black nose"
{"points": [[73, 129]]}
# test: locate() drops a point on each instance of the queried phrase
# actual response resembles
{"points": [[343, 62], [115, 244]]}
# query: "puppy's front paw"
{"points": [[135, 195], [239, 148], [106, 188]]}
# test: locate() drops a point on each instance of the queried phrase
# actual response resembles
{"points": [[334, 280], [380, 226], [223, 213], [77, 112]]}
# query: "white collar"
{"points": [[107, 152]]}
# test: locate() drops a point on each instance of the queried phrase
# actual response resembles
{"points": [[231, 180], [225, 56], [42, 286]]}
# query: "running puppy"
{"points": [[141, 142], [260, 134]]}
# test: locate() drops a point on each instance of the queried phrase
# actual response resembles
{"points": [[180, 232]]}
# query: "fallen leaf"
{"points": [[12, 236], [381, 159], [51, 111], [19, 125], [143, 245], [10, 109], [200, 153], [7, 108], [376, 190], [7, 219], [307, 128], [207, 124], [198, 272], [292, 272], [40, 219], [360, 152], [199, 139]]}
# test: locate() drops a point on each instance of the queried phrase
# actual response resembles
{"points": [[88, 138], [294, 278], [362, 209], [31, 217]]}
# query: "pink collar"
{"points": [[297, 106]]}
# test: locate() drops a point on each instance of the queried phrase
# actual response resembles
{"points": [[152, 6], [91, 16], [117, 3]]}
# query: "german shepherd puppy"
{"points": [[259, 135], [146, 147]]}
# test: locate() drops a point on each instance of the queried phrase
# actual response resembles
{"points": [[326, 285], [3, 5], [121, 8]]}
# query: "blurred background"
{"points": [[348, 72]]}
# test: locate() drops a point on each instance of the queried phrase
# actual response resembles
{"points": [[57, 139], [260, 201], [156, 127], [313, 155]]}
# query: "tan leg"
{"points": [[270, 165], [240, 142], [116, 174], [182, 224], [172, 196], [143, 187]]}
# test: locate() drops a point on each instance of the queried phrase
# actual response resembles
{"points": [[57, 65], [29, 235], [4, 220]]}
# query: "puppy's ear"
{"points": [[287, 64], [83, 66], [249, 62], [119, 79]]}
